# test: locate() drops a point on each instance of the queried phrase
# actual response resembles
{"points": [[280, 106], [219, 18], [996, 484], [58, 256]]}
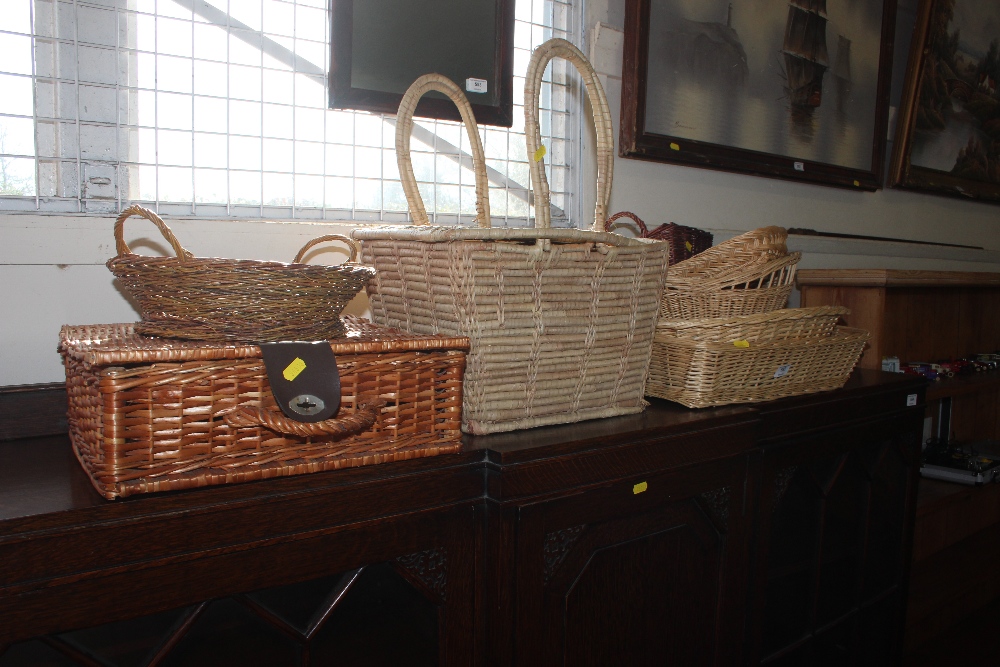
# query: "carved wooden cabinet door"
{"points": [[399, 591], [643, 571], [833, 544]]}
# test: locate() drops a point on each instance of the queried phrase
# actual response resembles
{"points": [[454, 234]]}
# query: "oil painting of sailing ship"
{"points": [[950, 136], [787, 78], [804, 49]]}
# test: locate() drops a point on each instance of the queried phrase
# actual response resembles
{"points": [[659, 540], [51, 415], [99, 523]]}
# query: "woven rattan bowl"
{"points": [[251, 301]]}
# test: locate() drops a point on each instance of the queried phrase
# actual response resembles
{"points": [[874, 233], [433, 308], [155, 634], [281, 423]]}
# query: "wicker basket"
{"points": [[703, 373], [684, 242], [151, 414], [743, 290], [738, 260], [765, 327], [235, 300], [560, 320]]}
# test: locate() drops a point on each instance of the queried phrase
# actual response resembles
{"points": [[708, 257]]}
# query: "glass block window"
{"points": [[217, 108]]}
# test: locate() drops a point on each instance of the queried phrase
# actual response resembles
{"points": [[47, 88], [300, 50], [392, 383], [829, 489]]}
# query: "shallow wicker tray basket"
{"points": [[756, 358], [748, 274], [215, 299], [560, 320], [152, 414]]}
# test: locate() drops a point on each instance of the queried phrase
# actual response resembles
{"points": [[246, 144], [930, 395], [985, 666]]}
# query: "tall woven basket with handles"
{"points": [[560, 320]]}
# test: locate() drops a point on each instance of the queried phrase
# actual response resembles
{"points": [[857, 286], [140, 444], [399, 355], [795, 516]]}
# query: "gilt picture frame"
{"points": [[948, 132], [792, 89]]}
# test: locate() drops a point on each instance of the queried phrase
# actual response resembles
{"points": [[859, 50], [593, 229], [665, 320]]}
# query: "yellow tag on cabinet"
{"points": [[639, 488], [540, 153], [741, 343], [293, 369]]}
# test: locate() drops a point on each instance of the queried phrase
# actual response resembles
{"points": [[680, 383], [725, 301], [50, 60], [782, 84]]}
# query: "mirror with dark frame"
{"points": [[379, 47]]}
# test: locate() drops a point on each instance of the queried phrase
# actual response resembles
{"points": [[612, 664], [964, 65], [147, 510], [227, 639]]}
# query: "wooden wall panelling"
{"points": [[867, 305], [922, 324], [974, 416], [980, 322]]}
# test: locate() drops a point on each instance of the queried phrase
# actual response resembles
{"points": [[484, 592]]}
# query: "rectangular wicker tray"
{"points": [[701, 374], [149, 414]]}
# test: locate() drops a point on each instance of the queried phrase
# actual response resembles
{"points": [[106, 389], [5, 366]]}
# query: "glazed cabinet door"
{"points": [[833, 544], [644, 571]]}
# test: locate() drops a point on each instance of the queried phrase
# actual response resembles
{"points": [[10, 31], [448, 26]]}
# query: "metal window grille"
{"points": [[217, 108]]}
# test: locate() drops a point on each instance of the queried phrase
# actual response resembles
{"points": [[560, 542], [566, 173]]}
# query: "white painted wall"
{"points": [[52, 267]]}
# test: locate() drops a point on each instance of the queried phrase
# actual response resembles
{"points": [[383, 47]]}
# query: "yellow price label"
{"points": [[857, 184], [293, 369], [540, 153], [741, 343], [687, 244], [639, 488], [675, 147]]}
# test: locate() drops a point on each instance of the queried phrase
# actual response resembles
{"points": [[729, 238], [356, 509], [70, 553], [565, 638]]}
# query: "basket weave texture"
{"points": [[753, 358], [684, 242], [151, 414], [560, 320], [749, 274], [217, 299]]}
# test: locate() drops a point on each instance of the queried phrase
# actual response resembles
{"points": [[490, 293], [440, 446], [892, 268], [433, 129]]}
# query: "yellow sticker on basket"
{"points": [[293, 369], [857, 184], [687, 244], [639, 488], [741, 343], [540, 153], [675, 147]]}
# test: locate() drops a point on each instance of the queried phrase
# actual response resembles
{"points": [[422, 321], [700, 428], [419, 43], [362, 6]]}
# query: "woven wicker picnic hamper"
{"points": [[215, 299], [153, 414], [753, 358], [560, 320]]}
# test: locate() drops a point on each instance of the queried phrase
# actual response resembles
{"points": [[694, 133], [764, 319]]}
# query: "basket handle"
{"points": [[351, 243], [368, 411], [404, 129], [610, 222], [135, 209], [602, 119]]}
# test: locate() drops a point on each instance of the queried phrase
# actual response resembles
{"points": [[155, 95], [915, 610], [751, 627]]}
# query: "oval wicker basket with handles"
{"points": [[684, 242], [244, 300], [560, 320]]}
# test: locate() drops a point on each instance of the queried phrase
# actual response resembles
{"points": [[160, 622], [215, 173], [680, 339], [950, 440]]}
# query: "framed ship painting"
{"points": [[948, 133], [794, 89]]}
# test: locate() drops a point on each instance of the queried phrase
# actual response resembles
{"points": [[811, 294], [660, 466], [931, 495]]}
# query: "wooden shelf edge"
{"points": [[894, 278], [966, 384]]}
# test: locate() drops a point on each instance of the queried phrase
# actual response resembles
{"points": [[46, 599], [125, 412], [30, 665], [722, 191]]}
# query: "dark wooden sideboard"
{"points": [[773, 534]]}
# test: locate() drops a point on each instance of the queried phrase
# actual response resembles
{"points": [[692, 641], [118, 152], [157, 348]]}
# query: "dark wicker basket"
{"points": [[684, 242], [219, 300]]}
